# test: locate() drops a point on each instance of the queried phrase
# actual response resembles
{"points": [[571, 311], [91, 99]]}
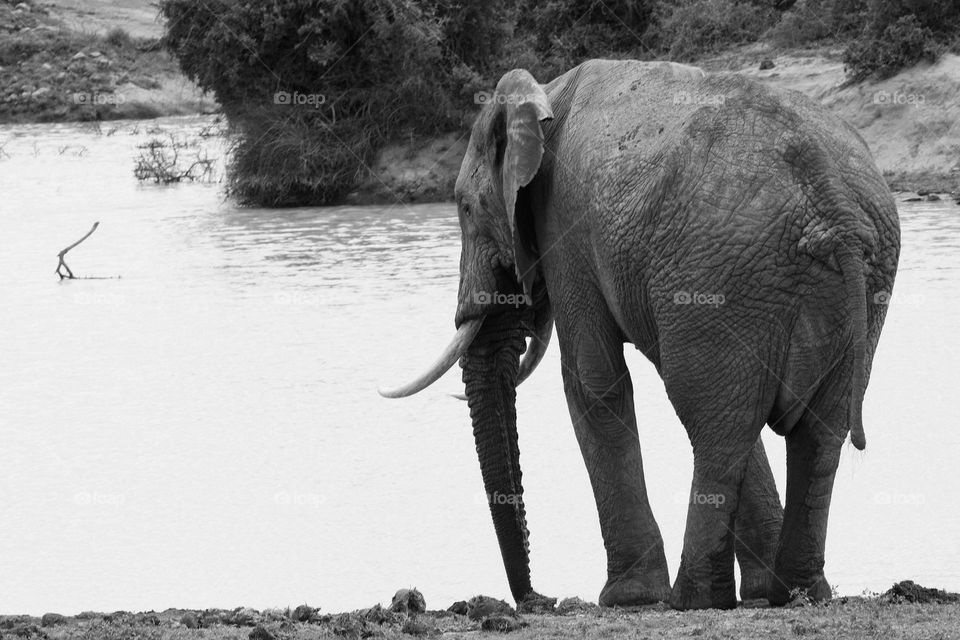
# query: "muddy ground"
{"points": [[907, 610]]}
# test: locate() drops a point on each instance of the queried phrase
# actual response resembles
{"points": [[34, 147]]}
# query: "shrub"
{"points": [[687, 29], [900, 33], [312, 89], [119, 38], [811, 20]]}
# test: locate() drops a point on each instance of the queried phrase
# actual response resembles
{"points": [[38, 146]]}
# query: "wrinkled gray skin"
{"points": [[617, 197]]}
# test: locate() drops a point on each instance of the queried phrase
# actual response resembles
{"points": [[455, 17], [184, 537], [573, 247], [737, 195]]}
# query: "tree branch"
{"points": [[62, 264]]}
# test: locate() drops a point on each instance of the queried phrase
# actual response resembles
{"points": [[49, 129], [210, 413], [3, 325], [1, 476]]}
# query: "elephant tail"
{"points": [[851, 266]]}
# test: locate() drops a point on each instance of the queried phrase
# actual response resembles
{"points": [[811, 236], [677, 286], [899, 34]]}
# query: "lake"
{"points": [[201, 428]]}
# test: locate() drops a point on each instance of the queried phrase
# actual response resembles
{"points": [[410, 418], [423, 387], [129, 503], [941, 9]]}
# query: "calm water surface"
{"points": [[204, 430]]}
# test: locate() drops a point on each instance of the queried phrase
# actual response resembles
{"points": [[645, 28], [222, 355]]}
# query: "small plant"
{"points": [[119, 38], [160, 162]]}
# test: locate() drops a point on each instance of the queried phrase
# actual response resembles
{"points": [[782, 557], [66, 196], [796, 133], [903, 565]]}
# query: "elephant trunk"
{"points": [[490, 370]]}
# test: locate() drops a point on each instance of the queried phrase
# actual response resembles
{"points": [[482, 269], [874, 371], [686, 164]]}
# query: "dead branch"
{"points": [[62, 264]]}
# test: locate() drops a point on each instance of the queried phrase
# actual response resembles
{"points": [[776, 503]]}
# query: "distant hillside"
{"points": [[85, 60]]}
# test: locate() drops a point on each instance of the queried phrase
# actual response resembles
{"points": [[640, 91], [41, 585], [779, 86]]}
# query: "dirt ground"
{"points": [[906, 611]]}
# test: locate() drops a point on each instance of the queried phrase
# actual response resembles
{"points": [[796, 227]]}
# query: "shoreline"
{"points": [[907, 610]]}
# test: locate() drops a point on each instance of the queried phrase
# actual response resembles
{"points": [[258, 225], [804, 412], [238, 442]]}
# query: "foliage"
{"points": [[688, 29], [900, 33], [313, 89], [811, 20]]}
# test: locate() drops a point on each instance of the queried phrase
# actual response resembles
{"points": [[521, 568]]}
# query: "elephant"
{"points": [[737, 235]]}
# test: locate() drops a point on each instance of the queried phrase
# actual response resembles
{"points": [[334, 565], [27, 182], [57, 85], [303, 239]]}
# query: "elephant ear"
{"points": [[526, 104]]}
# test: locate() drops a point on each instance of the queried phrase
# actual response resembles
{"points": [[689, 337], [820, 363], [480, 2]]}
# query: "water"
{"points": [[204, 430]]}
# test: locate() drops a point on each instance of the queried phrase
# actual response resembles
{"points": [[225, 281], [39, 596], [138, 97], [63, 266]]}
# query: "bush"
{"points": [[687, 29], [813, 20], [312, 89], [900, 33], [902, 44], [119, 38]]}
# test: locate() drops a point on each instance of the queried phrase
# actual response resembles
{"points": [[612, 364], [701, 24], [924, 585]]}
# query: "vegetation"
{"points": [[313, 89], [853, 618], [51, 73]]}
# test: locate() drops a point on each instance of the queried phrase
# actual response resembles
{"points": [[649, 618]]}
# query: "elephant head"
{"points": [[501, 300]]}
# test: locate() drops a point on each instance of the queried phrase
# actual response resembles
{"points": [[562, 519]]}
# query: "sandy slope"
{"points": [[911, 123]]}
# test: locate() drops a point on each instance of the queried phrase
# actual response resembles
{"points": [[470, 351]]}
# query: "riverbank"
{"points": [[911, 122], [906, 611], [73, 61], [68, 60]]}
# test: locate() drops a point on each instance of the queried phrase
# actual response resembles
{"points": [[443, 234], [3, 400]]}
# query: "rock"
{"points": [[274, 615], [409, 601], [536, 603], [95, 54], [349, 625], [303, 613], [909, 591], [23, 6], [913, 200], [52, 620], [480, 607], [244, 617], [573, 605], [417, 627], [39, 93], [933, 198], [79, 55], [378, 615], [501, 624], [28, 632], [260, 633], [766, 63], [459, 607], [190, 620]]}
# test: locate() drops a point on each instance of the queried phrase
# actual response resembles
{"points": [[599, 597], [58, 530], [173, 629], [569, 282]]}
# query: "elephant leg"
{"points": [[758, 523], [813, 453], [722, 397], [705, 578], [600, 398]]}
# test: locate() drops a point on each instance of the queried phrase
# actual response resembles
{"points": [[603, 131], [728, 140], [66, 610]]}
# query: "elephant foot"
{"points": [[534, 602], [635, 589], [707, 592], [816, 589], [754, 584]]}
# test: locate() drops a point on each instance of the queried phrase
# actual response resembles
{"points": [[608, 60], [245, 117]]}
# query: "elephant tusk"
{"points": [[534, 353], [457, 347], [539, 342]]}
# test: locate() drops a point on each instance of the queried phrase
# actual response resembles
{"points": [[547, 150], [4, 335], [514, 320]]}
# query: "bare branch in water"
{"points": [[62, 264]]}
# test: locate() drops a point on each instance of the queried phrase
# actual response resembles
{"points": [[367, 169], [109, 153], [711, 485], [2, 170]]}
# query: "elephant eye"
{"points": [[466, 210]]}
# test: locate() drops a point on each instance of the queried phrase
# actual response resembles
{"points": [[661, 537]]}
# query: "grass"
{"points": [[848, 618], [42, 81]]}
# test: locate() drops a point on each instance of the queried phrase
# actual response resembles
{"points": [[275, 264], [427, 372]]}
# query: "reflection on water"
{"points": [[203, 430]]}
